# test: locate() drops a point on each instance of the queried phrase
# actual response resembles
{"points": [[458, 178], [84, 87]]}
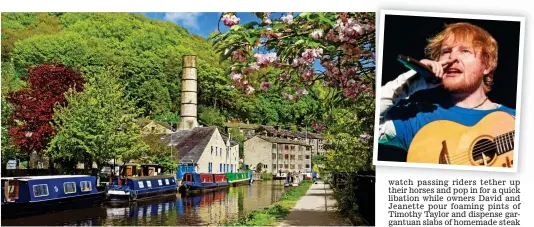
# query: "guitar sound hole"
{"points": [[484, 151]]}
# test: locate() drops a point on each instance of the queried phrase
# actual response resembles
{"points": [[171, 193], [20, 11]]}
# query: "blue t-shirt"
{"points": [[411, 117]]}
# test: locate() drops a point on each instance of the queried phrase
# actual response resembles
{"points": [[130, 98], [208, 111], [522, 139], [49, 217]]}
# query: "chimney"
{"points": [[188, 114]]}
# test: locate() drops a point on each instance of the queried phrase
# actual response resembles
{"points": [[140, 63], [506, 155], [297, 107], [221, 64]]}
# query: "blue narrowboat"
{"points": [[33, 195], [143, 187], [203, 181]]}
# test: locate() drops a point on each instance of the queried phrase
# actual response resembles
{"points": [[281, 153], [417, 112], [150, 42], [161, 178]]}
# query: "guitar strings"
{"points": [[486, 144], [483, 147]]}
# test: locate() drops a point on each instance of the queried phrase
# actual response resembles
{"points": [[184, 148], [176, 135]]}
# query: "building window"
{"points": [[279, 156], [300, 157], [307, 166], [280, 166], [85, 186], [69, 187], [300, 166], [286, 166], [292, 166], [274, 167], [286, 156], [274, 156], [40, 190], [308, 148], [212, 150], [292, 157], [220, 167], [265, 166], [307, 157], [274, 146]]}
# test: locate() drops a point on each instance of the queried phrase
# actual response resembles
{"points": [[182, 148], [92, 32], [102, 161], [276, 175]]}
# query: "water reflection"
{"points": [[211, 208]]}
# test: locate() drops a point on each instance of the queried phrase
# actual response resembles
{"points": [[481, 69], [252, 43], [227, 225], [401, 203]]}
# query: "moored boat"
{"points": [[144, 187], [239, 178], [33, 195], [202, 182]]}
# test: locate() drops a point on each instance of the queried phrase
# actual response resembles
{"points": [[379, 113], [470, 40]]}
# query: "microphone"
{"points": [[419, 67]]}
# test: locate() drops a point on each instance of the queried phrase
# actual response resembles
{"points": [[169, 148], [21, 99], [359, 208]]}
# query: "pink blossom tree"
{"points": [[342, 43]]}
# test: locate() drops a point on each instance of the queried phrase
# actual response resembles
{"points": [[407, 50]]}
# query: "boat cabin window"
{"points": [[40, 190], [141, 185], [167, 181], [11, 191], [160, 183], [148, 184], [85, 186], [69, 187]]}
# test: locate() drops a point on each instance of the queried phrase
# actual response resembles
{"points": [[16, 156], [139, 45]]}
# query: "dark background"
{"points": [[408, 35]]}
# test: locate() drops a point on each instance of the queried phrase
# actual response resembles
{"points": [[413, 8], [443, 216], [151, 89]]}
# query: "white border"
{"points": [[380, 40], [43, 195], [65, 183]]}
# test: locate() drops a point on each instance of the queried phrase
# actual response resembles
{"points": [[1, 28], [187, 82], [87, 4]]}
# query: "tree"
{"points": [[342, 42], [97, 125], [33, 107], [160, 152]]}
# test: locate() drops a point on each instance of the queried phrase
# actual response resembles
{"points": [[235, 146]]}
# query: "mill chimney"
{"points": [[188, 114]]}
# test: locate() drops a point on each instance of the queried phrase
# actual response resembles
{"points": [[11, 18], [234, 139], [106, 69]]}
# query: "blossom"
{"points": [[265, 59], [301, 92], [236, 76], [267, 21], [230, 20], [308, 74], [265, 86], [252, 68], [249, 90], [237, 56], [317, 34], [283, 76], [288, 19], [287, 96]]}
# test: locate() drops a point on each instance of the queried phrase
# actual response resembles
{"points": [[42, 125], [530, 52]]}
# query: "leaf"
{"points": [[305, 14], [299, 42]]}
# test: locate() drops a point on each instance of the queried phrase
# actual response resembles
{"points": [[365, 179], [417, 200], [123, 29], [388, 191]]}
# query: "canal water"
{"points": [[211, 208]]}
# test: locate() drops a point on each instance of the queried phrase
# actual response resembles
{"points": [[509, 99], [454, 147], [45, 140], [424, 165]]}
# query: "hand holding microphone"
{"points": [[432, 71]]}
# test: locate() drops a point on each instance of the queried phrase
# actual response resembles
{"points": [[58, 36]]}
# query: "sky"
{"points": [[200, 23]]}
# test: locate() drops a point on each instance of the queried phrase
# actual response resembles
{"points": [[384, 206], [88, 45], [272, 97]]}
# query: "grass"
{"points": [[276, 212]]}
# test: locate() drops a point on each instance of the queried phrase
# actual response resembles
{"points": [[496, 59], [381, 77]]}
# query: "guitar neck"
{"points": [[505, 142]]}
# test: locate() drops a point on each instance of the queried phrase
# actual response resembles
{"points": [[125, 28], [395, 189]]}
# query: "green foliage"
{"points": [[210, 116], [266, 176], [154, 97], [97, 125], [160, 153], [169, 118], [274, 213], [239, 137], [8, 150]]}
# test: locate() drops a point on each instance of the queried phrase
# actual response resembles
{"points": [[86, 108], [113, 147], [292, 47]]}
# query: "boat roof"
{"points": [[149, 177], [27, 178]]}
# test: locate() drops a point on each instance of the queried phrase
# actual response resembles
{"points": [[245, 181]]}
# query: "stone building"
{"points": [[277, 155]]}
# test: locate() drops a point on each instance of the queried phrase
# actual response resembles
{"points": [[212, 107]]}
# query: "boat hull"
{"points": [[16, 210], [117, 197]]}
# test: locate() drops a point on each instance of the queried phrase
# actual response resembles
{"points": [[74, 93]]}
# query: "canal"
{"points": [[211, 208]]}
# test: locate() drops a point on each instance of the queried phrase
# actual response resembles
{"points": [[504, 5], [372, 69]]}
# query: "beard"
{"points": [[463, 83]]}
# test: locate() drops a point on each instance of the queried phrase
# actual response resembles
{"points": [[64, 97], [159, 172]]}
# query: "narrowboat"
{"points": [[144, 187], [33, 195], [240, 178], [203, 181]]}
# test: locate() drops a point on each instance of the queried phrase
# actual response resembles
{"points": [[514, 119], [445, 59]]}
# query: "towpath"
{"points": [[316, 208]]}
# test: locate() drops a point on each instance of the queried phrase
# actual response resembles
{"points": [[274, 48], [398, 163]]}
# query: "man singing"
{"points": [[464, 57]]}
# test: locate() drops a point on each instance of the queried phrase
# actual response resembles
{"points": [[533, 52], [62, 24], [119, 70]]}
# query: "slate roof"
{"points": [[283, 141], [190, 143], [232, 141]]}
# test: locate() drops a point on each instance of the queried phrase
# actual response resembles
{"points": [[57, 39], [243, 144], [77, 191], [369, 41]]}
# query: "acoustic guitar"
{"points": [[490, 142]]}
